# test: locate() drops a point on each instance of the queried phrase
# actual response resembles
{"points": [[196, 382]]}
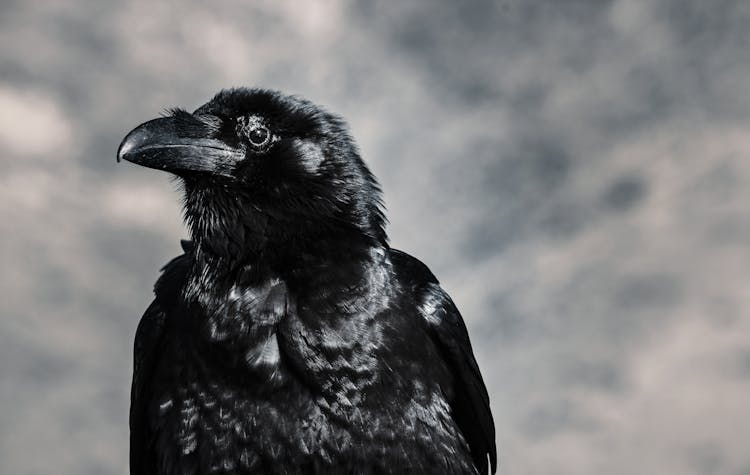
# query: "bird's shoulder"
{"points": [[173, 275], [410, 269], [420, 286], [166, 292], [444, 324]]}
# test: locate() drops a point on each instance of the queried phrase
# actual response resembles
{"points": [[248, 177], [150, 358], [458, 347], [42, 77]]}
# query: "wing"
{"points": [[471, 403], [149, 339]]}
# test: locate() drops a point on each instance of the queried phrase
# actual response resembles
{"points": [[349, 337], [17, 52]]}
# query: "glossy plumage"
{"points": [[289, 337]]}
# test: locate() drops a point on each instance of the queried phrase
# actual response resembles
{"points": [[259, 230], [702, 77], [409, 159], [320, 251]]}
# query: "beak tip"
{"points": [[125, 147]]}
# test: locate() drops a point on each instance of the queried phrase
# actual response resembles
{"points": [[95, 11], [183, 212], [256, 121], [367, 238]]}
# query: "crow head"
{"points": [[264, 173]]}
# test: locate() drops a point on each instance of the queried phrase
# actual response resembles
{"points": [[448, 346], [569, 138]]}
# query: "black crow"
{"points": [[289, 337]]}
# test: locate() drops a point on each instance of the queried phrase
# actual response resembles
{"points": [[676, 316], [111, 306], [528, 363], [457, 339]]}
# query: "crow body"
{"points": [[289, 337]]}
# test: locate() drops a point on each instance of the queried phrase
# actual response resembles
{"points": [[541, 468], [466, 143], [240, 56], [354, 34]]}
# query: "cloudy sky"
{"points": [[577, 174]]}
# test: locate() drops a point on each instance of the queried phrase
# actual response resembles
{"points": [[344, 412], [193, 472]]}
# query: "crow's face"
{"points": [[257, 151]]}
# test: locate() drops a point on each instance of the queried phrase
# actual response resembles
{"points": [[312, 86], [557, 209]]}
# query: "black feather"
{"points": [[289, 337]]}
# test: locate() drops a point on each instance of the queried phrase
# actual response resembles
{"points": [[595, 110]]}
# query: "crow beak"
{"points": [[175, 145]]}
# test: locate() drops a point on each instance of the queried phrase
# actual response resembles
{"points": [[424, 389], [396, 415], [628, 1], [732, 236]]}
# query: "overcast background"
{"points": [[576, 173]]}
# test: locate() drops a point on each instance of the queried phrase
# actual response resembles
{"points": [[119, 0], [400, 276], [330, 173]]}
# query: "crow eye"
{"points": [[259, 136], [253, 129]]}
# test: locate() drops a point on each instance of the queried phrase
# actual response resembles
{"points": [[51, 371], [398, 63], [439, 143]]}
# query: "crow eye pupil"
{"points": [[259, 136]]}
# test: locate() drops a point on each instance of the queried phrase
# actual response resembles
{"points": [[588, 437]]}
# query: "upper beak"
{"points": [[175, 145]]}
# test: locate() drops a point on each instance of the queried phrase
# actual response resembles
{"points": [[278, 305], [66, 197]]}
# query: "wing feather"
{"points": [[149, 339], [470, 402]]}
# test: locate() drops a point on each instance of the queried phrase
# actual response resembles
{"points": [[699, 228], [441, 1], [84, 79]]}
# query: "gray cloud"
{"points": [[575, 173]]}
